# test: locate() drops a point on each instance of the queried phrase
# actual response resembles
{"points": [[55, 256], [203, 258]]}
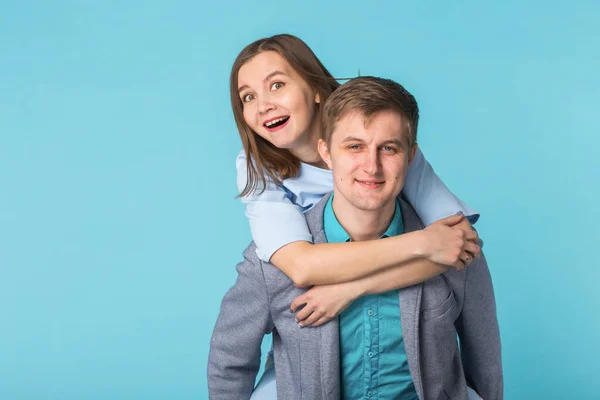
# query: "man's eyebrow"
{"points": [[351, 139], [271, 75], [397, 142]]}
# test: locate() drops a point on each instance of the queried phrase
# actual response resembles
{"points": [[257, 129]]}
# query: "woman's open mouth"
{"points": [[276, 123]]}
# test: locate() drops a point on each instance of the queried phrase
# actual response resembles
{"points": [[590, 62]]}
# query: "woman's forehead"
{"points": [[262, 66]]}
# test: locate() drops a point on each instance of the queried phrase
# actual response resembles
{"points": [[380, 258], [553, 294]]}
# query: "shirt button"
{"points": [[370, 354], [369, 393], [370, 312]]}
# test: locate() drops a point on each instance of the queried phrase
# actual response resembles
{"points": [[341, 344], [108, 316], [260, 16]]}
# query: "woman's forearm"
{"points": [[394, 278], [321, 303], [317, 264]]}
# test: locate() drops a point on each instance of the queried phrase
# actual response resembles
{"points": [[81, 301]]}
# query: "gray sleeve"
{"points": [[244, 319], [477, 328]]}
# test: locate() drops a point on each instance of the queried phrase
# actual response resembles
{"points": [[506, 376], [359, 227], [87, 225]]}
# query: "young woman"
{"points": [[277, 88]]}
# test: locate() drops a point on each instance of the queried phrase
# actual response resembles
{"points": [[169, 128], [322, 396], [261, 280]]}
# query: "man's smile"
{"points": [[370, 183]]}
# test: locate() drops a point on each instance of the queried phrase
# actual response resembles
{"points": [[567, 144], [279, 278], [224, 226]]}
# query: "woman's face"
{"points": [[278, 104]]}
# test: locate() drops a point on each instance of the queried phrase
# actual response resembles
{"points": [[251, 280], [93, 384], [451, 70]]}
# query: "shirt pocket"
{"points": [[445, 308], [439, 346]]}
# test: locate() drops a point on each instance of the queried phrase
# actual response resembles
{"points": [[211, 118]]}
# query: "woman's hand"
{"points": [[324, 302], [451, 241], [473, 237]]}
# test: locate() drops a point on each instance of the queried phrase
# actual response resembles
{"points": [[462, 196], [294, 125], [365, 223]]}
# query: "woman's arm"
{"points": [[316, 264], [324, 302], [282, 237], [429, 196], [275, 220]]}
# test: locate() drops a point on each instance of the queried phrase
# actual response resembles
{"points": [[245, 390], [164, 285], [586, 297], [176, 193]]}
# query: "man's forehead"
{"points": [[385, 125]]}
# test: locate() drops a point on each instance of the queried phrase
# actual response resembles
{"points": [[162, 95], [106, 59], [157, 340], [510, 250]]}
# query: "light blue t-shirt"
{"points": [[277, 215], [373, 361]]}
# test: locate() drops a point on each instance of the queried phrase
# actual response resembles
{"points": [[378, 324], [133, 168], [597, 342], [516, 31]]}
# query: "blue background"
{"points": [[119, 230]]}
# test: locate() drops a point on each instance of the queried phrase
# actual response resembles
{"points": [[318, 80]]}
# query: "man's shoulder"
{"points": [[251, 258], [410, 218], [252, 264], [314, 216]]}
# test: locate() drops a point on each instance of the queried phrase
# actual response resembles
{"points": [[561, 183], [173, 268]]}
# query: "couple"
{"points": [[353, 334]]}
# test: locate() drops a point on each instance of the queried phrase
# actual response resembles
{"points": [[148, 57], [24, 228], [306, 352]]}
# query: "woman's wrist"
{"points": [[418, 244], [357, 288]]}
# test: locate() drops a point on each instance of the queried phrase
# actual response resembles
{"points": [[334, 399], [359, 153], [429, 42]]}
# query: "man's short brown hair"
{"points": [[369, 95]]}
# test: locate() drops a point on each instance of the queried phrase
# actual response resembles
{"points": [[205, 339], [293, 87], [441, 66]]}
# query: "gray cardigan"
{"points": [[307, 359]]}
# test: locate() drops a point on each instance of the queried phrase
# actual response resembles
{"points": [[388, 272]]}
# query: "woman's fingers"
{"points": [[300, 301], [304, 313], [451, 220], [321, 321], [314, 317], [466, 258], [472, 248], [459, 265], [472, 236]]}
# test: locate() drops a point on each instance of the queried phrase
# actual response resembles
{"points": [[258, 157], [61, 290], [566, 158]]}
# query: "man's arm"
{"points": [[477, 328], [244, 319]]}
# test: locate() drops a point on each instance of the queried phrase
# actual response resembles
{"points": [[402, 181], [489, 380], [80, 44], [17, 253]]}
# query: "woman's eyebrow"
{"points": [[271, 75]]}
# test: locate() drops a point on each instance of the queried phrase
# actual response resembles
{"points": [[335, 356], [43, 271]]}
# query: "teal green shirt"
{"points": [[373, 361]]}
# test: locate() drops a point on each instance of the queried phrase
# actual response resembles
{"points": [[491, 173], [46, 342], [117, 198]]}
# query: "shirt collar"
{"points": [[335, 233]]}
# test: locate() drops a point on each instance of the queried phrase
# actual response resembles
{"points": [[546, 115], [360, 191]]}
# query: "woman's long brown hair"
{"points": [[262, 157]]}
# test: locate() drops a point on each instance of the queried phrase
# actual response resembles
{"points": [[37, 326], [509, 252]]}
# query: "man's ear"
{"points": [[413, 151], [324, 152]]}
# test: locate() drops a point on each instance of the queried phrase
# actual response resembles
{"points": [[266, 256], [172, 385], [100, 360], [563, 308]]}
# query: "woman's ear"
{"points": [[317, 98]]}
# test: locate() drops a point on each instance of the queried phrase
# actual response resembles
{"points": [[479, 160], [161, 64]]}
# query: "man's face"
{"points": [[369, 159]]}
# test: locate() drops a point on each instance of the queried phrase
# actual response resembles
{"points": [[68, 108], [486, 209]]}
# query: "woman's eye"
{"points": [[247, 98], [276, 85]]}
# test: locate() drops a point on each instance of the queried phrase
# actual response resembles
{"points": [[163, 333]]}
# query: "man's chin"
{"points": [[370, 204]]}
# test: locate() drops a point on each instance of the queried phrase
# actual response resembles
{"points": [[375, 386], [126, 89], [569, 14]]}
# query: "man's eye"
{"points": [[276, 85], [388, 148], [354, 147], [247, 98]]}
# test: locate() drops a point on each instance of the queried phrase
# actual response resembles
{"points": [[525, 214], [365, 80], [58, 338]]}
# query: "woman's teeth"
{"points": [[276, 122]]}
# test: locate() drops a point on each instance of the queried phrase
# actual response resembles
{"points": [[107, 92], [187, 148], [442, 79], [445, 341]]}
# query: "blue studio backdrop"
{"points": [[119, 227]]}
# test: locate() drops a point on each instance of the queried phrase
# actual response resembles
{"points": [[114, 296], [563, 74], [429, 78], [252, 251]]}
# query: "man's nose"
{"points": [[372, 162]]}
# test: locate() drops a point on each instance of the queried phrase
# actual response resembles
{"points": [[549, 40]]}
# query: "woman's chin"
{"points": [[283, 142]]}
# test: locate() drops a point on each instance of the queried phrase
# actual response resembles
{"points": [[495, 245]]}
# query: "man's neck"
{"points": [[363, 225]]}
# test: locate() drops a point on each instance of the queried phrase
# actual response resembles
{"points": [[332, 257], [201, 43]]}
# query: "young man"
{"points": [[399, 344]]}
